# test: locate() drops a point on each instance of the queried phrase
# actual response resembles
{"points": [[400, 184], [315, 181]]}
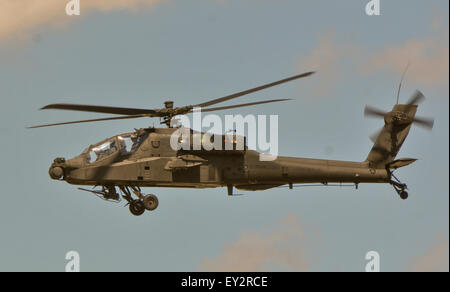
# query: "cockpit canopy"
{"points": [[125, 144]]}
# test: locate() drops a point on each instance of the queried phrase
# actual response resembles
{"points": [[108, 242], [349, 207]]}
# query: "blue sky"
{"points": [[141, 53]]}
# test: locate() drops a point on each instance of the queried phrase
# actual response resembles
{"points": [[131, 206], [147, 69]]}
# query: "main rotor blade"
{"points": [[373, 112], [424, 123], [239, 94], [243, 105], [88, 121], [99, 109], [416, 98]]}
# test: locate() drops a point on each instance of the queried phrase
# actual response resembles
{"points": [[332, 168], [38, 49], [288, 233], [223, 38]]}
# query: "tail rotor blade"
{"points": [[425, 123], [373, 112], [416, 98], [375, 135]]}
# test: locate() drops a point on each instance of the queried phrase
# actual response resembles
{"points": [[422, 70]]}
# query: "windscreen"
{"points": [[103, 150]]}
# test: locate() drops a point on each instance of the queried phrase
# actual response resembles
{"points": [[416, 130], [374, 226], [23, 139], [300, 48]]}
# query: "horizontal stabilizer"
{"points": [[400, 163]]}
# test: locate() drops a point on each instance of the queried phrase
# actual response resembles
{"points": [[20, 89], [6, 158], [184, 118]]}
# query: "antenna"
{"points": [[401, 81]]}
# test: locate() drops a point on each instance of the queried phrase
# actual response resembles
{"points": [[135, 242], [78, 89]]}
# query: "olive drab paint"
{"points": [[175, 157]]}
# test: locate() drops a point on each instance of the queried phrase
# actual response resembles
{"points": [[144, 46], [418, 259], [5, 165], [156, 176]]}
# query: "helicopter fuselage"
{"points": [[153, 163]]}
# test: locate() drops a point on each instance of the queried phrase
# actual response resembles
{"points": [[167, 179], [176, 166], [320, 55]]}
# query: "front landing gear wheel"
{"points": [[404, 195], [151, 202], [137, 208]]}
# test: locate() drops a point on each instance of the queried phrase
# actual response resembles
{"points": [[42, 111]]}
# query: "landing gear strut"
{"points": [[143, 202], [399, 187]]}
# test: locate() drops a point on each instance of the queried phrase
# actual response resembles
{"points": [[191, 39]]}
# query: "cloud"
{"points": [[434, 260], [19, 18], [327, 57], [428, 57], [281, 245]]}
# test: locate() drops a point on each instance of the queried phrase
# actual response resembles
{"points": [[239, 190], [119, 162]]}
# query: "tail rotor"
{"points": [[398, 117]]}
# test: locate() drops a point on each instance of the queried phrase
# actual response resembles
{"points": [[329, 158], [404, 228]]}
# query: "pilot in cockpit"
{"points": [[112, 147]]}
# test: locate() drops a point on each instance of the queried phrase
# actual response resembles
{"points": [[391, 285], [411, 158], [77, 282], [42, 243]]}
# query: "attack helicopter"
{"points": [[123, 164]]}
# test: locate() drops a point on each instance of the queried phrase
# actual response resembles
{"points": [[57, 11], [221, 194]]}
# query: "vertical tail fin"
{"points": [[388, 143]]}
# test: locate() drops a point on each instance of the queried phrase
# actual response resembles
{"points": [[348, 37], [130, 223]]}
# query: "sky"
{"points": [[139, 53]]}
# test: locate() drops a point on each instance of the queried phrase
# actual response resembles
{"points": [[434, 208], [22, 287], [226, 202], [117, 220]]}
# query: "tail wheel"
{"points": [[151, 202], [404, 195], [137, 208]]}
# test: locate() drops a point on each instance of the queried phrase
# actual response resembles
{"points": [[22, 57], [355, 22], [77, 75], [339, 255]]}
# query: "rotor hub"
{"points": [[397, 117], [168, 104]]}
